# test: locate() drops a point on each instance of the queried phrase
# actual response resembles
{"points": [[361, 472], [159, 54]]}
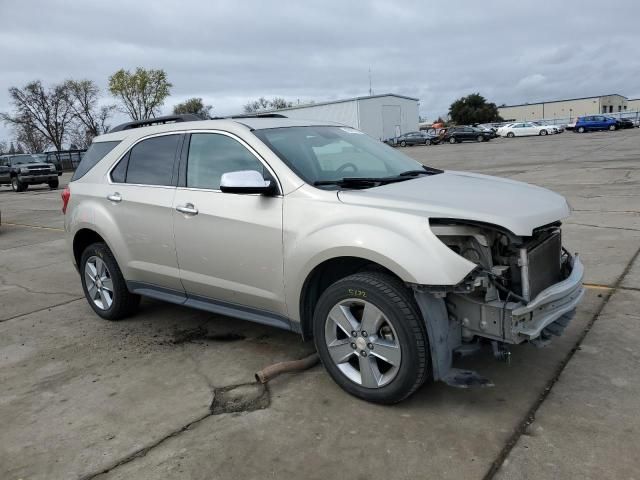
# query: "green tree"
{"points": [[194, 106], [141, 93], [473, 108]]}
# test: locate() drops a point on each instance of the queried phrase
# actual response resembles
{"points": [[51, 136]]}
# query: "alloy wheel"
{"points": [[363, 343], [98, 282]]}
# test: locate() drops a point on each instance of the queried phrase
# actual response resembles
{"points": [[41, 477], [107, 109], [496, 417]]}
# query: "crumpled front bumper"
{"points": [[550, 304], [514, 322]]}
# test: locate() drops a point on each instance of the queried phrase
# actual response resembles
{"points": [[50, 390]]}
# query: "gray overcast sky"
{"points": [[229, 52]]}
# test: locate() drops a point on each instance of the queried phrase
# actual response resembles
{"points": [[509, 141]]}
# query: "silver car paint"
{"points": [[387, 225]]}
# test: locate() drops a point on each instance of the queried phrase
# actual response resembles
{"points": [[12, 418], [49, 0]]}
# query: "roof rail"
{"points": [[187, 117]]}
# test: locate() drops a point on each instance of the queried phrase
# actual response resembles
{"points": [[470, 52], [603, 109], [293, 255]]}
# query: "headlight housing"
{"points": [[52, 167], [24, 170]]}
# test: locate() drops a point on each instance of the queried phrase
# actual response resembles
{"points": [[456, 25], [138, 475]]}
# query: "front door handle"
{"points": [[187, 209], [114, 197]]}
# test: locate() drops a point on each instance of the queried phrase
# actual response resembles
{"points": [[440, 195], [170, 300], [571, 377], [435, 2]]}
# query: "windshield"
{"points": [[324, 154], [22, 159]]}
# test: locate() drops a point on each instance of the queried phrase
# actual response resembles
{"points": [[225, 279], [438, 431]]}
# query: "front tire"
{"points": [[479, 138], [612, 128], [511, 135], [104, 286], [427, 142], [403, 143], [453, 140], [581, 130], [54, 184], [543, 132], [371, 337], [17, 185]]}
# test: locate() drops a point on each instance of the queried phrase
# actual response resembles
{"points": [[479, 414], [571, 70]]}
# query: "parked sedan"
{"points": [[523, 129], [552, 128], [416, 138], [463, 133], [624, 123]]}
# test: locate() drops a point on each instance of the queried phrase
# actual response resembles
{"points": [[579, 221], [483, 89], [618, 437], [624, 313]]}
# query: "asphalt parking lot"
{"points": [[84, 398]]}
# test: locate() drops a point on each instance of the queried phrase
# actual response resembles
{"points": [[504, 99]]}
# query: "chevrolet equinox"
{"points": [[392, 267]]}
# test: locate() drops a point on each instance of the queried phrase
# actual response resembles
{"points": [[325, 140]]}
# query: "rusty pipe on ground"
{"points": [[272, 371]]}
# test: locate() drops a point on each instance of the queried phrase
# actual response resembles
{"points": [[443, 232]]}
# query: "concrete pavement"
{"points": [[85, 398]]}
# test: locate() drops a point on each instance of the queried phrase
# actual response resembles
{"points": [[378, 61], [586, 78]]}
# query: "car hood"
{"points": [[516, 206]]}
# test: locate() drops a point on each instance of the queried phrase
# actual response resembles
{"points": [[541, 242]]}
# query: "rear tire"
{"points": [[543, 132], [612, 128], [427, 142], [403, 143], [479, 138], [110, 299], [580, 130], [392, 357], [453, 140], [511, 135]]}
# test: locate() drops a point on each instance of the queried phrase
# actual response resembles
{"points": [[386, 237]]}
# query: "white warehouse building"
{"points": [[379, 116]]}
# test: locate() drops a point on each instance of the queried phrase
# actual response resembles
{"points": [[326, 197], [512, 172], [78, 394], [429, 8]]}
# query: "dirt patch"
{"points": [[201, 333], [246, 397]]}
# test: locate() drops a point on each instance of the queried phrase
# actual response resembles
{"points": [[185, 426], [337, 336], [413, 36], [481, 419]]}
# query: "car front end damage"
{"points": [[522, 289]]}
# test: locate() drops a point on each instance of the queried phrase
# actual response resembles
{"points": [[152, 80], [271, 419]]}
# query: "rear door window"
{"points": [[150, 162]]}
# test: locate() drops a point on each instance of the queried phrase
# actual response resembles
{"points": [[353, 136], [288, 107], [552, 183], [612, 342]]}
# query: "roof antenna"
{"points": [[370, 91]]}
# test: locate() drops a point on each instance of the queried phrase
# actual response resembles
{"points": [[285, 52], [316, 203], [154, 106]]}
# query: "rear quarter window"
{"points": [[96, 152]]}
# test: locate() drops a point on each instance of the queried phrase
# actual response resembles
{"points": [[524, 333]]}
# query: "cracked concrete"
{"points": [[85, 398]]}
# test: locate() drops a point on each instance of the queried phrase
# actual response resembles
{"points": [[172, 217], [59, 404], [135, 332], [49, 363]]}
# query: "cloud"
{"points": [[229, 52]]}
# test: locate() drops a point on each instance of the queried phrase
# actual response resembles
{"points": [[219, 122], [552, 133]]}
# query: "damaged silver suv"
{"points": [[393, 268]]}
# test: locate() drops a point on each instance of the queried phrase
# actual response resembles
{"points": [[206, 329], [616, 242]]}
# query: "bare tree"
{"points": [[3, 147], [141, 93], [48, 111], [31, 138], [262, 104], [89, 118]]}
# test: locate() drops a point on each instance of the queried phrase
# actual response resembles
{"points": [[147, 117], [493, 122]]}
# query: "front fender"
{"points": [[401, 242]]}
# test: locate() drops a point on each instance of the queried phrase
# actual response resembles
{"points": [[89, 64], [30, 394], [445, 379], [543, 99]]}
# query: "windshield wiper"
{"points": [[425, 171], [366, 182]]}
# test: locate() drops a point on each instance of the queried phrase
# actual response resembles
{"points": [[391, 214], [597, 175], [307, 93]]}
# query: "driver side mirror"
{"points": [[247, 182]]}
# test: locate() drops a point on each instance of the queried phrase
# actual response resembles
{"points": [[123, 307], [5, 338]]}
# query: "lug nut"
{"points": [[353, 345], [364, 334], [370, 346], [363, 353], [354, 333]]}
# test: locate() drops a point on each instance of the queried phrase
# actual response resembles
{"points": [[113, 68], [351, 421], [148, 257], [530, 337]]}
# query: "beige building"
{"points": [[568, 109], [633, 104]]}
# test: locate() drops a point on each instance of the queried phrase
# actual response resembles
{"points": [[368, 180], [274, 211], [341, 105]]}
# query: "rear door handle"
{"points": [[114, 197], [187, 209]]}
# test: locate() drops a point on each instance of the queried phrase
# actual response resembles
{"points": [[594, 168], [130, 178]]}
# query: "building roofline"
{"points": [[366, 97], [566, 100]]}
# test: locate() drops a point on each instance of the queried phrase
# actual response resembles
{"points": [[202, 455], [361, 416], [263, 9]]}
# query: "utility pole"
{"points": [[370, 90]]}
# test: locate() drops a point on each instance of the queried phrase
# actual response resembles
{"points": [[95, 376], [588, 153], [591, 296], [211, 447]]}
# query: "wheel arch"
{"points": [[82, 239], [325, 274]]}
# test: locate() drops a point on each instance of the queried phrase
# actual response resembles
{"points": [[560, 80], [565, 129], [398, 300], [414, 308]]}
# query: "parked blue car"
{"points": [[595, 122]]}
